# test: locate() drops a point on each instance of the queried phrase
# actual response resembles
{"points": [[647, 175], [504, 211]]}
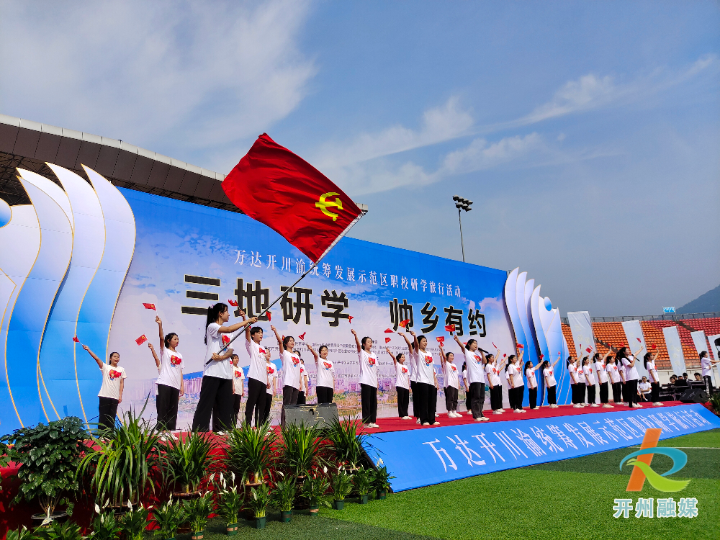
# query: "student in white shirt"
{"points": [[644, 389], [532, 382], [602, 376], [418, 397], [631, 376], [574, 381], [111, 390], [217, 381], [492, 370], [474, 377], [238, 387], [450, 376], [271, 385], [402, 384], [426, 383], [291, 365], [613, 371], [582, 387], [654, 381], [368, 380], [515, 382], [706, 366], [304, 391], [588, 370], [548, 371], [466, 385], [325, 374], [170, 384]]}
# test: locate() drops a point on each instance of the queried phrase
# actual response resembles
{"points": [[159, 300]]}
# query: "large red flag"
{"points": [[286, 193]]}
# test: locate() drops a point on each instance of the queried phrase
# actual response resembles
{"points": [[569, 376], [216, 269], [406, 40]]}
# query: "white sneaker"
{"points": [[625, 403], [658, 404], [553, 406], [406, 418], [607, 406], [417, 421], [638, 406], [577, 406], [497, 412], [516, 411], [522, 410], [426, 423], [594, 405], [482, 419], [436, 424]]}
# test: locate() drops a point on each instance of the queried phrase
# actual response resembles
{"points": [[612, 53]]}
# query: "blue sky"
{"points": [[586, 133]]}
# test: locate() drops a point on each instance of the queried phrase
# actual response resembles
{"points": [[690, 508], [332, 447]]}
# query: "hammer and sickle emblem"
{"points": [[323, 204]]}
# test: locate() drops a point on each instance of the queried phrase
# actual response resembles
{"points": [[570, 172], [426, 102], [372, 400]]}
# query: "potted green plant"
{"points": [[168, 519], [59, 531], [283, 497], [134, 522], [258, 502], [124, 462], [197, 512], [250, 452], [49, 454], [381, 481], [22, 534], [341, 484], [315, 491], [188, 461], [301, 449], [346, 443], [105, 526], [362, 480], [230, 503]]}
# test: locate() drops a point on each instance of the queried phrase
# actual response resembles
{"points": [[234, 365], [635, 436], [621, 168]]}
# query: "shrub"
{"points": [[134, 522], [315, 491], [249, 452], [341, 484], [188, 460], [283, 497], [168, 518], [198, 510], [259, 499]]}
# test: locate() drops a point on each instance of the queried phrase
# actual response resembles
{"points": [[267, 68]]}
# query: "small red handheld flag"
{"points": [[388, 331], [542, 356], [271, 184], [302, 336], [589, 350], [388, 340], [450, 327], [653, 346], [639, 340], [233, 303], [404, 323], [519, 346], [268, 315], [441, 339], [350, 318], [142, 339], [494, 345], [149, 306], [76, 340]]}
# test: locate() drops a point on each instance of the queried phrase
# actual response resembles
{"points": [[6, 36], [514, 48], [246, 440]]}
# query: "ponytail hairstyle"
{"points": [[111, 355], [585, 359], [470, 342], [596, 357], [647, 357], [545, 364], [168, 339], [364, 340], [609, 357], [622, 353], [703, 354], [569, 361], [511, 359], [464, 366], [286, 340], [528, 365], [213, 314]]}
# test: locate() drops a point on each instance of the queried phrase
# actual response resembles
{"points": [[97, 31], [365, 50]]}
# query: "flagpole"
{"points": [[340, 236]]}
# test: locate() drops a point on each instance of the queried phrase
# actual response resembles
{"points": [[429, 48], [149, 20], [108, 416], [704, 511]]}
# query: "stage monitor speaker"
{"points": [[694, 395], [323, 415]]}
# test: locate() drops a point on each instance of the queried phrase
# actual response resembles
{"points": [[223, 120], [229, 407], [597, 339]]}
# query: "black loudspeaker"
{"points": [[694, 395], [323, 415]]}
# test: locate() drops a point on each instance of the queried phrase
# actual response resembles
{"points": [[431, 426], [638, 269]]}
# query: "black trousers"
{"points": [[515, 397], [420, 401], [532, 397], [451, 398], [257, 390], [708, 385], [552, 399], [582, 391], [416, 407], [655, 392], [368, 402], [630, 392], [403, 395], [290, 397], [432, 403], [617, 392], [468, 403], [604, 392], [301, 400], [496, 397], [324, 394], [215, 395], [166, 405], [591, 394], [476, 397], [574, 393], [624, 391], [107, 410], [268, 406], [237, 400]]}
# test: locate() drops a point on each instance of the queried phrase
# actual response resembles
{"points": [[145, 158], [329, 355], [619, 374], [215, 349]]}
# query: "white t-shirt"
{"points": [[573, 369], [291, 369], [652, 371], [451, 374], [644, 386], [465, 377], [238, 378], [706, 366], [171, 366], [475, 367], [613, 371], [601, 373], [580, 374], [402, 378], [516, 374], [425, 369], [530, 374], [589, 376], [271, 375], [493, 374], [303, 378], [631, 373], [110, 387], [326, 373], [549, 375], [257, 361], [410, 363], [368, 368], [222, 369]]}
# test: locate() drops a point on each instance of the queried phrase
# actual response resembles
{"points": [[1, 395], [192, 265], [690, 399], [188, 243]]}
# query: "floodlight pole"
{"points": [[462, 244]]}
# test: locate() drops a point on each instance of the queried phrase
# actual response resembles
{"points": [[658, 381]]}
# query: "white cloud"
{"points": [[191, 75], [439, 124]]}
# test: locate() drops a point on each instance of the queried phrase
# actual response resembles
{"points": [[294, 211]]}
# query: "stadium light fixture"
{"points": [[462, 204]]}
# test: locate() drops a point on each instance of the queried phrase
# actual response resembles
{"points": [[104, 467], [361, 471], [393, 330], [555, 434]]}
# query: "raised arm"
{"points": [[556, 360], [442, 356], [404, 336], [391, 356], [155, 356], [457, 340], [607, 353], [95, 356], [357, 341], [158, 320], [638, 351], [279, 339], [415, 341], [315, 355]]}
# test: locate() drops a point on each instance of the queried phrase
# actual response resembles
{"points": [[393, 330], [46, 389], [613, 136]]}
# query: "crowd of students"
{"points": [[223, 382]]}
